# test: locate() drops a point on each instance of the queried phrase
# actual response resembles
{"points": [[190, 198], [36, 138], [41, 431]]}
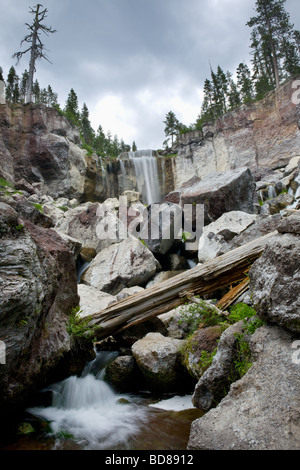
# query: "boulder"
{"points": [[122, 373], [213, 384], [274, 278], [121, 265], [94, 224], [204, 340], [93, 300], [38, 290], [279, 203], [162, 230], [261, 410], [158, 358], [219, 193], [216, 235]]}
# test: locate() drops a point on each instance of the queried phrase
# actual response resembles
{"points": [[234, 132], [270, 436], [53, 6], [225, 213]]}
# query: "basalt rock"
{"points": [[37, 293]]}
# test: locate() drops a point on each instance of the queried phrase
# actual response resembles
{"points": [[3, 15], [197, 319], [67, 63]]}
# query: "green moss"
{"points": [[39, 207]]}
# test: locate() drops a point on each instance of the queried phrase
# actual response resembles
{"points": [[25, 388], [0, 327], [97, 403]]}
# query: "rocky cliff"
{"points": [[261, 135]]}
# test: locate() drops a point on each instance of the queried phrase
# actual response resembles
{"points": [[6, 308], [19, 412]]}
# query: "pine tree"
{"points": [[134, 147], [87, 131], [36, 47], [71, 108], [12, 93], [234, 98], [244, 82], [99, 141], [36, 92], [171, 125], [274, 39], [1, 75], [23, 86]]}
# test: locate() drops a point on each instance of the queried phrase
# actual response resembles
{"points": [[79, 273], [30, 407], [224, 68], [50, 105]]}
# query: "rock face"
{"points": [[38, 291], [217, 234], [219, 193], [259, 135], [121, 265], [275, 279], [261, 411]]}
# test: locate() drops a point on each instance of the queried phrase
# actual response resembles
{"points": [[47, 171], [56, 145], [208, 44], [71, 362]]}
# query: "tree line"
{"points": [[25, 90], [99, 142], [275, 51]]}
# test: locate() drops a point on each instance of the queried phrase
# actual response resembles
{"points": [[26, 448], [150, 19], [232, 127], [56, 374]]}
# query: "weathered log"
{"points": [[201, 280]]}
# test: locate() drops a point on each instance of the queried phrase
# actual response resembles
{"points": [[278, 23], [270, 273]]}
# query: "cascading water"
{"points": [[146, 172], [90, 411]]}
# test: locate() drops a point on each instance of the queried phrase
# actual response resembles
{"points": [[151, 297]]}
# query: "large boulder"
{"points": [[216, 235], [38, 290], [219, 193], [162, 230], [158, 358], [213, 384], [274, 278], [121, 265], [261, 410], [95, 225]]}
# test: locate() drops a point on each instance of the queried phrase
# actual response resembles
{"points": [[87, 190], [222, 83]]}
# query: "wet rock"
{"points": [[122, 373], [158, 358]]}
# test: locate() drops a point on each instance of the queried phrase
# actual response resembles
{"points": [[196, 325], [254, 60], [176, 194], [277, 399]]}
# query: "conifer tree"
{"points": [[274, 40], [71, 108], [171, 125], [87, 131], [36, 47], [244, 82], [12, 93]]}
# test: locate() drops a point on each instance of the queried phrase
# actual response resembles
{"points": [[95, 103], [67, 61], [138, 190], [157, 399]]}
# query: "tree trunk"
{"points": [[201, 280], [32, 57]]}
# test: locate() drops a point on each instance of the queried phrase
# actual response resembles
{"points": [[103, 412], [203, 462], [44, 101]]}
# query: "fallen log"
{"points": [[201, 280]]}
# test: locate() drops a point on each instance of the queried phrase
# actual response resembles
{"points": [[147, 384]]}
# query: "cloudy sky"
{"points": [[133, 61]]}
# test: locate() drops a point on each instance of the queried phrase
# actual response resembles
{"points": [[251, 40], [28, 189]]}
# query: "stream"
{"points": [[87, 414]]}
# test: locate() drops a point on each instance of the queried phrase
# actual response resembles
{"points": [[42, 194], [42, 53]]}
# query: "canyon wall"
{"points": [[259, 135]]}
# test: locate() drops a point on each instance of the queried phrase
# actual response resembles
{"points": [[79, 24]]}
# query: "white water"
{"points": [[145, 166], [87, 408]]}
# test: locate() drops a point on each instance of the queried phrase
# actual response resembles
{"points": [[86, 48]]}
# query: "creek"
{"points": [[86, 413]]}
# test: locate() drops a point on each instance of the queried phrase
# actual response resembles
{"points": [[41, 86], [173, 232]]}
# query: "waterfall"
{"points": [[146, 173], [88, 409]]}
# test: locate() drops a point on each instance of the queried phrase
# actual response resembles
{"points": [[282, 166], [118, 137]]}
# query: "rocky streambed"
{"points": [[238, 364]]}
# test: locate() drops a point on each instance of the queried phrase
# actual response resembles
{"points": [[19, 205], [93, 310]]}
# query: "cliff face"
{"points": [[259, 135]]}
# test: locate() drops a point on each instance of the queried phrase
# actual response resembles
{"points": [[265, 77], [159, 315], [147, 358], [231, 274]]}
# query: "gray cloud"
{"points": [[132, 61]]}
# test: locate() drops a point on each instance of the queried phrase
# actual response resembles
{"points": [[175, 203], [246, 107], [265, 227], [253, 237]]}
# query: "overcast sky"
{"points": [[133, 61]]}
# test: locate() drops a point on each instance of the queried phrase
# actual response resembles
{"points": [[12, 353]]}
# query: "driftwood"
{"points": [[203, 279]]}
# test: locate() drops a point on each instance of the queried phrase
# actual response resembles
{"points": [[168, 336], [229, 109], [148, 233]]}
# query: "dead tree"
{"points": [[36, 48]]}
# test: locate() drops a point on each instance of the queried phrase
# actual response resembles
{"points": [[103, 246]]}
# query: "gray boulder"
{"points": [[213, 384], [121, 265], [261, 410], [219, 193], [275, 281], [158, 358]]}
